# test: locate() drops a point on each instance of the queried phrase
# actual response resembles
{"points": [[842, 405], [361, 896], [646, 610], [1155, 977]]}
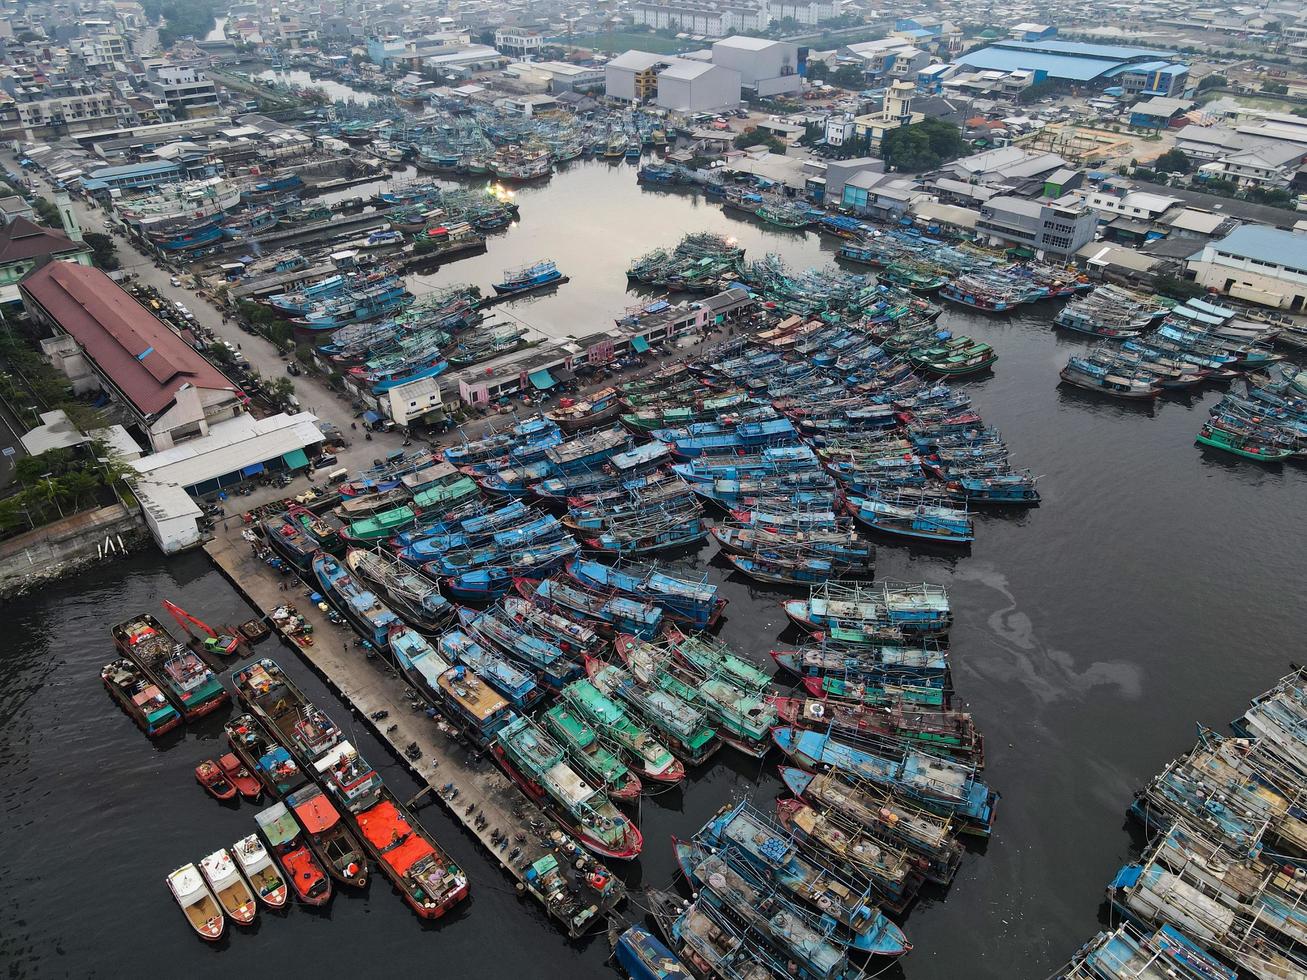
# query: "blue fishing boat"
{"points": [[374, 300], [612, 613], [529, 277], [691, 601], [940, 521], [1127, 954], [368, 615], [480, 585], [756, 842], [305, 300], [540, 656], [291, 540], [937, 784], [511, 681], [749, 436], [644, 957]]}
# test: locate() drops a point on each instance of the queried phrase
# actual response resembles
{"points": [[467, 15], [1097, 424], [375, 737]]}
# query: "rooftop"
{"points": [[1281, 248], [230, 446], [146, 361], [23, 239]]}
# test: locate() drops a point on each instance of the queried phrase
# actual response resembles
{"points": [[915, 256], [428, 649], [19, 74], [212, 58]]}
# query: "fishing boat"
{"points": [[873, 807], [510, 680], [140, 697], [476, 707], [538, 764], [577, 415], [175, 670], [939, 785], [1092, 376], [411, 594], [951, 734], [282, 708], [1241, 444], [694, 602], [939, 521], [332, 841], [686, 728], [239, 776], [256, 866], [646, 756], [535, 276], [758, 842], [863, 609], [572, 637], [644, 957], [539, 655], [598, 763], [290, 540], [742, 717], [286, 843], [709, 942], [894, 871], [608, 612], [368, 615], [428, 878], [381, 525], [197, 903], [208, 775], [225, 882]]}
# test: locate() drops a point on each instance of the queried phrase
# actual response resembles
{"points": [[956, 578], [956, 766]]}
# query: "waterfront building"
{"points": [[1262, 265]]}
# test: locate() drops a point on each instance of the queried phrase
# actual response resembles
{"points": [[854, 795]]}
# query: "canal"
{"points": [[1157, 586]]}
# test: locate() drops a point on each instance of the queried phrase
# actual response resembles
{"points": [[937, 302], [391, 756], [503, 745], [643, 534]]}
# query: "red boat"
{"points": [[286, 844], [246, 783], [211, 777]]}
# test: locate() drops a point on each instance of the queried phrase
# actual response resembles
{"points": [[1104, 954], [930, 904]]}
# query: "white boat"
{"points": [[259, 871], [197, 902], [234, 896], [188, 199]]}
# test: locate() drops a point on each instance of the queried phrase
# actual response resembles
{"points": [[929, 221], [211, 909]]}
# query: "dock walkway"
{"points": [[369, 687]]}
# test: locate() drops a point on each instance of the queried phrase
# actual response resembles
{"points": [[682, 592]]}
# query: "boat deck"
{"points": [[368, 689]]}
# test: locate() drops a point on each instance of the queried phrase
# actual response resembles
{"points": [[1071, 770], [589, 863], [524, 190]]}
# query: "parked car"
{"points": [[174, 281]]}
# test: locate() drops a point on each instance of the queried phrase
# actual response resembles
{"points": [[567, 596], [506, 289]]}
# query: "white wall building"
{"points": [[693, 86], [1258, 264], [766, 67]]}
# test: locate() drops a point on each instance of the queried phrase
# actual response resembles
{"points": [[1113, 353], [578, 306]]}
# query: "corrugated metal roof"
{"points": [[230, 446], [1283, 248], [1055, 66]]}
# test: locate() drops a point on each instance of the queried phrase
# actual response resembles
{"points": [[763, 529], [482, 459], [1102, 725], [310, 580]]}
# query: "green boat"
{"points": [[443, 496], [1238, 445], [686, 728], [642, 752], [710, 655], [539, 765], [917, 280], [959, 356], [382, 525], [878, 695], [587, 751], [744, 719]]}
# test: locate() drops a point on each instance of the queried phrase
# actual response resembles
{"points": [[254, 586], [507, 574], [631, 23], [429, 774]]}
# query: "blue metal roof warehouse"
{"points": [[1071, 61]]}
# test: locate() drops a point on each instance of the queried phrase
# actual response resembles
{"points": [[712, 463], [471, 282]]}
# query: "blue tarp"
{"points": [[542, 379], [371, 417], [639, 345], [252, 469]]}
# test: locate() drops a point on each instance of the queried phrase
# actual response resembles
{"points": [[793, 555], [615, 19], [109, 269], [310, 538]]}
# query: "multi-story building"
{"points": [[691, 19], [517, 43], [88, 111], [1255, 263], [809, 13], [679, 84], [1057, 228], [188, 92], [1154, 78], [105, 49], [765, 67], [886, 59]]}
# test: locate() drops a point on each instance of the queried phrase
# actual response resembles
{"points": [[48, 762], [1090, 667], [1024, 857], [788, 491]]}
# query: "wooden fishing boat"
{"points": [[239, 776], [176, 671], [209, 775], [286, 843], [197, 903], [140, 698], [225, 882], [256, 866]]}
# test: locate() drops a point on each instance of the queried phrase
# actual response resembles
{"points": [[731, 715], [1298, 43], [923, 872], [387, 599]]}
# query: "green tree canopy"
{"points": [[922, 146]]}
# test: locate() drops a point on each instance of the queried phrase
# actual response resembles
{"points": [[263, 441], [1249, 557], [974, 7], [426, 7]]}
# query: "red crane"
{"points": [[224, 643]]}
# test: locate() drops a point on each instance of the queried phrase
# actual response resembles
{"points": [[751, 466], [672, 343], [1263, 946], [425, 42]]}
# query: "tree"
{"points": [[818, 71], [1173, 162], [922, 146], [850, 77], [1213, 81], [487, 37], [104, 253], [1275, 88], [48, 213], [756, 137]]}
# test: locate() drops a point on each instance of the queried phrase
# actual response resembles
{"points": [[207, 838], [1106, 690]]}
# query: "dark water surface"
{"points": [[1156, 586]]}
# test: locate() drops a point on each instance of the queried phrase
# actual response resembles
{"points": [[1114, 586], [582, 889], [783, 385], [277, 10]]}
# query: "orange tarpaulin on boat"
{"points": [[388, 831], [315, 813]]}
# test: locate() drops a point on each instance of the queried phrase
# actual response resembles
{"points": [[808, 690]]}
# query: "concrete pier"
{"points": [[372, 686]]}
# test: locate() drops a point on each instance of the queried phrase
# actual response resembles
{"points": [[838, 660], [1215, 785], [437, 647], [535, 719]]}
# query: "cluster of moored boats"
{"points": [[1218, 891], [1268, 423], [1148, 349]]}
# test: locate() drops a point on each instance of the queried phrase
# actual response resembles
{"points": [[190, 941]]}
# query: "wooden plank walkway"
{"points": [[372, 686]]}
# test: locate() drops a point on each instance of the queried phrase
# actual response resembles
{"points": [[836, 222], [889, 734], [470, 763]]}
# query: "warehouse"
{"points": [[1067, 61]]}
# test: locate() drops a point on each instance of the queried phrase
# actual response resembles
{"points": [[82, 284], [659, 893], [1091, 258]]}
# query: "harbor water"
{"points": [[1158, 585]]}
